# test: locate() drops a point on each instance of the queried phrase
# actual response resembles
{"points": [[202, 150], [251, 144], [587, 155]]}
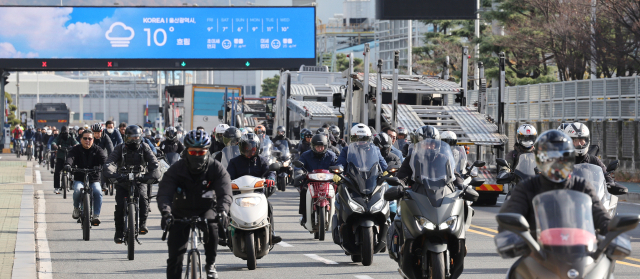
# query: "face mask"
{"points": [[400, 141], [110, 131], [385, 152], [197, 164], [49, 132]]}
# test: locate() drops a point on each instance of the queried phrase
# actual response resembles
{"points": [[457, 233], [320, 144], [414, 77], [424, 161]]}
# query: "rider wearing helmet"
{"points": [[100, 139], [361, 135], [383, 142], [318, 158], [251, 163], [131, 155], [555, 158], [63, 141], [305, 141], [195, 186], [335, 132], [325, 132], [525, 137], [402, 137], [392, 133], [217, 143], [171, 143], [281, 134], [424, 132], [580, 135], [230, 137]]}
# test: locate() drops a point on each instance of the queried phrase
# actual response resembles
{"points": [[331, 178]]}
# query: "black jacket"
{"points": [[393, 159], [82, 158], [104, 142], [38, 137], [304, 146], [522, 196], [334, 150], [279, 137], [215, 146], [589, 159], [255, 166], [186, 195], [124, 157], [171, 146]]}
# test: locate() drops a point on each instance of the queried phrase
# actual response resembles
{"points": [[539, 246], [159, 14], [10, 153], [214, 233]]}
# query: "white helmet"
{"points": [[580, 135], [449, 137], [526, 136], [218, 131], [360, 132]]}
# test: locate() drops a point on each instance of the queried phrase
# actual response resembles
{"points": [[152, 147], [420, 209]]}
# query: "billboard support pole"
{"points": [[233, 108], [394, 112], [501, 94], [349, 102], [286, 105], [379, 95], [465, 75], [224, 107], [104, 96], [364, 114]]}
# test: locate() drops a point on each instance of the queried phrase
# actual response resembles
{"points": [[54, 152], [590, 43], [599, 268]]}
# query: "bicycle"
{"points": [[131, 210], [17, 146], [67, 180], [29, 150], [86, 212], [194, 264]]}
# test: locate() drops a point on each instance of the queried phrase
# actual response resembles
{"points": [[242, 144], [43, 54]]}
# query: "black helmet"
{"points": [[335, 131], [555, 155], [249, 145], [170, 133], [64, 129], [317, 140], [306, 134], [281, 131], [322, 131], [426, 132], [197, 138], [96, 127], [231, 136], [133, 137], [383, 141]]}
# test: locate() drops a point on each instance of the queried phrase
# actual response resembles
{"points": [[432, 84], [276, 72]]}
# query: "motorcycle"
{"points": [[593, 174], [427, 238], [249, 233], [320, 201], [360, 224], [566, 246], [525, 169], [281, 152]]}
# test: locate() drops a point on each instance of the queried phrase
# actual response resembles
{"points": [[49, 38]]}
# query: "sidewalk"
{"points": [[11, 191]]}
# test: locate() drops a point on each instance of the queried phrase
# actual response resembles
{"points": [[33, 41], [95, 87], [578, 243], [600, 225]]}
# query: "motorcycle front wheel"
{"points": [[436, 265], [366, 247], [282, 183], [249, 246], [322, 223]]}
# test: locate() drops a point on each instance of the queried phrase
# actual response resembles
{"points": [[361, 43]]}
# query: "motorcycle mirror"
{"points": [[470, 194], [617, 189], [294, 151], [393, 168], [298, 164], [275, 166], [394, 193], [478, 164], [620, 248], [336, 169], [513, 222], [619, 224], [502, 162], [613, 165], [476, 182]]}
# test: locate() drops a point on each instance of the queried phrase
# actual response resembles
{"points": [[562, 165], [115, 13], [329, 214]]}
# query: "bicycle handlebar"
{"points": [[192, 221]]}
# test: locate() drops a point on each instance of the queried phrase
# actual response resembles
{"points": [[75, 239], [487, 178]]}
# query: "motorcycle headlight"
{"points": [[424, 223], [248, 201], [321, 176], [355, 206], [378, 206], [449, 223], [286, 163]]}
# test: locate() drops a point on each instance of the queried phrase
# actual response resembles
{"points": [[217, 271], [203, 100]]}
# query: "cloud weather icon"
{"points": [[119, 41]]}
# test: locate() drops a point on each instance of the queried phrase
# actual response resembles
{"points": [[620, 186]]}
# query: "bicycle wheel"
{"points": [[110, 185], [131, 230], [86, 216], [64, 186]]}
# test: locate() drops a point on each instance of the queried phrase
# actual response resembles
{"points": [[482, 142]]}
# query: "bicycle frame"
{"points": [[132, 198], [194, 241]]}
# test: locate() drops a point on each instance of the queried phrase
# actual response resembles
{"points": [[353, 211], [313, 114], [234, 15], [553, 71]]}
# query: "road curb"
{"points": [[24, 263], [28, 173], [630, 197]]}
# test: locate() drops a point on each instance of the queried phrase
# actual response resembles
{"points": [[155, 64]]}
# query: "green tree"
{"points": [[342, 63], [270, 86], [11, 119]]}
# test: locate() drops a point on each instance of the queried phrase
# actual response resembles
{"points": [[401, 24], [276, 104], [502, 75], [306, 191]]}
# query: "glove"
{"points": [[167, 219], [336, 178], [270, 183], [67, 168], [223, 219], [123, 178]]}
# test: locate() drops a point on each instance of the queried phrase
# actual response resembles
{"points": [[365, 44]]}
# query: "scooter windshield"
{"points": [[363, 166], [267, 144], [228, 153], [432, 163], [283, 147], [593, 174], [526, 166], [460, 159], [565, 223]]}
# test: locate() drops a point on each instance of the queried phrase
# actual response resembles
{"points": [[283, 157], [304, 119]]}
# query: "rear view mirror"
{"points": [[337, 100], [513, 222], [394, 193], [620, 247], [298, 164], [478, 164], [336, 169], [510, 245], [275, 166], [624, 222], [476, 182], [393, 168], [613, 165], [470, 194], [502, 162]]}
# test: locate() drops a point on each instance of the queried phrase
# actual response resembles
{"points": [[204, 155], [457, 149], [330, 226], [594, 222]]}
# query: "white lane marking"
{"points": [[37, 166], [630, 203], [45, 270], [321, 259], [38, 177], [363, 277], [284, 244]]}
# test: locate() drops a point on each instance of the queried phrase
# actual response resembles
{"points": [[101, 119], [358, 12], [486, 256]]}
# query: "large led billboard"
{"points": [[426, 9], [103, 38]]}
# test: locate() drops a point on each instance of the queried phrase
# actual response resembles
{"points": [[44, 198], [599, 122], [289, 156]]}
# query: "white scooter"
{"points": [[249, 234]]}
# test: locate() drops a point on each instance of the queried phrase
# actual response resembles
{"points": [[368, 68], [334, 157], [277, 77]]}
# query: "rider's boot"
{"points": [[211, 271], [119, 220], [143, 227]]}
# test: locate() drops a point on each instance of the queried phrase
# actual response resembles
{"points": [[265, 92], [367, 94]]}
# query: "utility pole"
{"points": [[410, 48], [501, 94], [482, 92], [4, 76], [104, 96], [364, 112], [476, 48], [18, 97], [465, 75], [379, 95], [394, 109], [349, 102]]}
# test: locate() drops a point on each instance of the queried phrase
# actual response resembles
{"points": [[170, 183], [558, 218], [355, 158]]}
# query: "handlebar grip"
{"points": [[164, 234]]}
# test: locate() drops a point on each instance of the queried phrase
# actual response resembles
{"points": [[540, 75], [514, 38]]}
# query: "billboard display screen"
{"points": [[59, 38], [426, 9]]}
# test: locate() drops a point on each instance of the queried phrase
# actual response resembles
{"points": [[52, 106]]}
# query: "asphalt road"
{"points": [[299, 256]]}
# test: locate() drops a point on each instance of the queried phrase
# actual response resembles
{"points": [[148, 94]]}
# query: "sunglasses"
{"points": [[197, 153], [89, 139]]}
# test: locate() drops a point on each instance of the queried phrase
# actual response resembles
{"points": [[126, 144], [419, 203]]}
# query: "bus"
{"points": [[51, 114]]}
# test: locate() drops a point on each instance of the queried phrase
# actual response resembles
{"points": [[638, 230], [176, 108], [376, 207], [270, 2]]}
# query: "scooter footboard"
{"points": [[262, 246]]}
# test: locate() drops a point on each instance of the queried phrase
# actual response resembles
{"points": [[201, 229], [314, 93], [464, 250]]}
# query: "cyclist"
{"points": [[86, 156], [38, 144], [17, 137], [122, 127], [195, 186], [101, 139], [115, 137], [29, 135], [250, 163], [132, 153], [53, 136], [217, 144], [61, 142]]}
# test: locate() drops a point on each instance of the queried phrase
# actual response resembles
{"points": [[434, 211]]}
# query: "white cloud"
{"points": [[7, 50]]}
